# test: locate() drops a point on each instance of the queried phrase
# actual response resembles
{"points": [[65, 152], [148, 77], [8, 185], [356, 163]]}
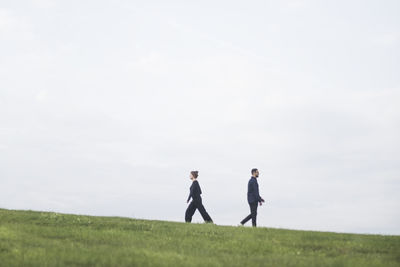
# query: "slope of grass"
{"points": [[30, 238]]}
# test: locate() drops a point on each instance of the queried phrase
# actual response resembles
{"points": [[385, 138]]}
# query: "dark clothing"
{"points": [[195, 191], [253, 197], [197, 203], [253, 214], [252, 191], [192, 209]]}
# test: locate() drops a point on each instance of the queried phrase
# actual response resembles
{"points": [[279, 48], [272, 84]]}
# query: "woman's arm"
{"points": [[192, 191], [190, 194]]}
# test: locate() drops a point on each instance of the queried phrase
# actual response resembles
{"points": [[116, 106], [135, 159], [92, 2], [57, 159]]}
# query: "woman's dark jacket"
{"points": [[195, 191]]}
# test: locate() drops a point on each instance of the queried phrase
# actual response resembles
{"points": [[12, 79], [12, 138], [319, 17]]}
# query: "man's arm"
{"points": [[260, 199]]}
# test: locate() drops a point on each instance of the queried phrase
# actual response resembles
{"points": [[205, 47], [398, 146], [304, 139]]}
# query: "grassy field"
{"points": [[30, 238]]}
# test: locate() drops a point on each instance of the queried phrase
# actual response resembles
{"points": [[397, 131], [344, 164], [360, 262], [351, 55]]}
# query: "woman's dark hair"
{"points": [[195, 174]]}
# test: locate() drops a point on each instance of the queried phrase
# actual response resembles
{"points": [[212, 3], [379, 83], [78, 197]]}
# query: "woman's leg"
{"points": [[189, 212], [203, 212]]}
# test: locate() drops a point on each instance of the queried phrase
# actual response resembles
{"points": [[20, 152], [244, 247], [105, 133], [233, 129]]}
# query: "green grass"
{"points": [[29, 238]]}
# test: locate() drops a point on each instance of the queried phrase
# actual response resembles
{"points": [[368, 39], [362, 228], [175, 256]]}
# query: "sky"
{"points": [[106, 107]]}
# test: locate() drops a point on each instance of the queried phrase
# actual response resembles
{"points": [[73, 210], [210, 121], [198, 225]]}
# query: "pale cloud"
{"points": [[14, 27], [44, 3], [296, 4], [7, 21], [41, 96], [273, 28], [387, 39]]}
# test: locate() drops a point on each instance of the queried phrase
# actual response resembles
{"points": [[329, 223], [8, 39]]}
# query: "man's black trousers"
{"points": [[196, 204], [253, 214]]}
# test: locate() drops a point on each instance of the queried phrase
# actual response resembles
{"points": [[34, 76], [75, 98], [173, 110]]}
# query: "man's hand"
{"points": [[262, 200]]}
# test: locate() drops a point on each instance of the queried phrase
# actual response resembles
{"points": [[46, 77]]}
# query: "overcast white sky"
{"points": [[106, 106]]}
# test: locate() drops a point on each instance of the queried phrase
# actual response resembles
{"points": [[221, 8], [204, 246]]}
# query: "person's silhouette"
{"points": [[253, 198], [195, 192]]}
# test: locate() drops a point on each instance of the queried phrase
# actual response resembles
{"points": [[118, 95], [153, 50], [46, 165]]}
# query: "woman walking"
{"points": [[195, 192]]}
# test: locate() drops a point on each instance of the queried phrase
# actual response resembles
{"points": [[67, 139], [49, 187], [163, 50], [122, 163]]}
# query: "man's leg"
{"points": [[189, 212], [253, 209], [203, 212], [245, 220]]}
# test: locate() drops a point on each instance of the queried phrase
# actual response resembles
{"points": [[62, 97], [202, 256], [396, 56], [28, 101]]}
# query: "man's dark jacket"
{"points": [[252, 191], [195, 191]]}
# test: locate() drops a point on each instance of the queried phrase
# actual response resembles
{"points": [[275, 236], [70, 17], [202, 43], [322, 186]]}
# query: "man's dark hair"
{"points": [[253, 171]]}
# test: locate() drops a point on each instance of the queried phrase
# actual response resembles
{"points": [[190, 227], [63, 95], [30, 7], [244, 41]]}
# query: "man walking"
{"points": [[253, 197]]}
